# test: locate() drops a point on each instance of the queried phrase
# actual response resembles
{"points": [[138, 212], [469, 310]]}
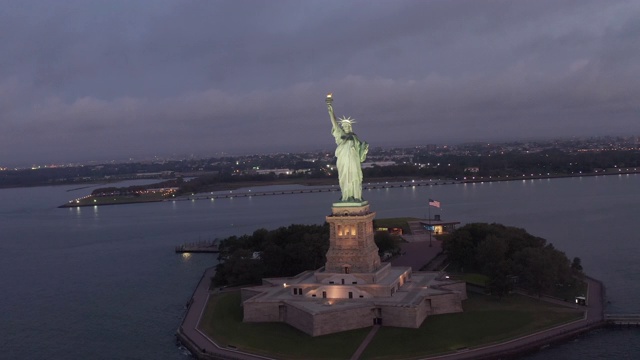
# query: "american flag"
{"points": [[434, 203]]}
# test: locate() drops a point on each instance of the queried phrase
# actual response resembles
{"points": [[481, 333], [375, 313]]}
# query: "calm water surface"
{"points": [[104, 283]]}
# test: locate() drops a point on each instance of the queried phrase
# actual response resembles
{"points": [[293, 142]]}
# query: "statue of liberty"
{"points": [[350, 152]]}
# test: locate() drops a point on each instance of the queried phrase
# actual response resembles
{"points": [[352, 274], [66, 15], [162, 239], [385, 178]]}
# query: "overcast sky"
{"points": [[83, 79]]}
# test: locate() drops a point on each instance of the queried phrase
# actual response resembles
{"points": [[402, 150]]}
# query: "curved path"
{"points": [[195, 340]]}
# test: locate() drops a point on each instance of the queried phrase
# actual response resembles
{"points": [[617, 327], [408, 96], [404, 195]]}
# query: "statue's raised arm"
{"points": [[332, 116], [350, 152]]}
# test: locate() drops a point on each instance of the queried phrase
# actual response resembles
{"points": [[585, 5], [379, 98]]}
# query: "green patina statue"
{"points": [[350, 153]]}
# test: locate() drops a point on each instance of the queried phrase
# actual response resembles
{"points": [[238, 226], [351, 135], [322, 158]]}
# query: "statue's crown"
{"points": [[347, 120]]}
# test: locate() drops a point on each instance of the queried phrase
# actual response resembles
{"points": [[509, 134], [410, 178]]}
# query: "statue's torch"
{"points": [[329, 99]]}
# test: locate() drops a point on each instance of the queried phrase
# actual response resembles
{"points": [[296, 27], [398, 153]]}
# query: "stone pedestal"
{"points": [[351, 248], [353, 290]]}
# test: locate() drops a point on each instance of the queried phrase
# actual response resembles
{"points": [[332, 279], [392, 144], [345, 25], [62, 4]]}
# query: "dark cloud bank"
{"points": [[110, 79]]}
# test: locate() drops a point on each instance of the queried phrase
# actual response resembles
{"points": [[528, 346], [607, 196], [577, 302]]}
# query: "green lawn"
{"points": [[222, 321], [485, 320]]}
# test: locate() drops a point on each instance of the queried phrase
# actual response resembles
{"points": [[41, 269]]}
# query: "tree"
{"points": [[500, 283], [504, 253], [285, 251], [576, 264], [491, 255], [386, 242], [239, 269], [535, 269], [460, 249]]}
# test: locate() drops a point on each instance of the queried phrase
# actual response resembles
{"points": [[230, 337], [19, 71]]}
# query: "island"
{"points": [[509, 301]]}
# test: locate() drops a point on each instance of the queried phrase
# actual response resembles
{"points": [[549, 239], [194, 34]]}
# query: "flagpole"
{"points": [[429, 221]]}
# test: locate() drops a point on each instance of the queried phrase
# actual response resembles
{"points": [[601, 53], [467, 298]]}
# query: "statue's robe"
{"points": [[350, 153]]}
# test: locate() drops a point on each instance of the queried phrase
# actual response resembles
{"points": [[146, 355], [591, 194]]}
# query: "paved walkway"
{"points": [[419, 249], [365, 342], [194, 339], [417, 254]]}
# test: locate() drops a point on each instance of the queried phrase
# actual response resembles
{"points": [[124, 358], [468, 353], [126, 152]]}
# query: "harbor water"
{"points": [[105, 282]]}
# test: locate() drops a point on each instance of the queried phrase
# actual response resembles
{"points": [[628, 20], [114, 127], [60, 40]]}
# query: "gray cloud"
{"points": [[100, 80]]}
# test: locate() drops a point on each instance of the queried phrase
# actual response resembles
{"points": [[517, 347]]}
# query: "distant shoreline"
{"points": [[69, 205], [468, 179], [389, 183]]}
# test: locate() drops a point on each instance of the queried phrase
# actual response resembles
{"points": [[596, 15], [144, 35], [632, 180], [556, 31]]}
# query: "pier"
{"points": [[622, 319], [198, 247]]}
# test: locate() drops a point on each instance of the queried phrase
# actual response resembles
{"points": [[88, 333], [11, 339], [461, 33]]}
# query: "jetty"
{"points": [[622, 319], [199, 247]]}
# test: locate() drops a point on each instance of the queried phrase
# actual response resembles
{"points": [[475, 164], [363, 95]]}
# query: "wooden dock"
{"points": [[198, 247], [622, 319]]}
